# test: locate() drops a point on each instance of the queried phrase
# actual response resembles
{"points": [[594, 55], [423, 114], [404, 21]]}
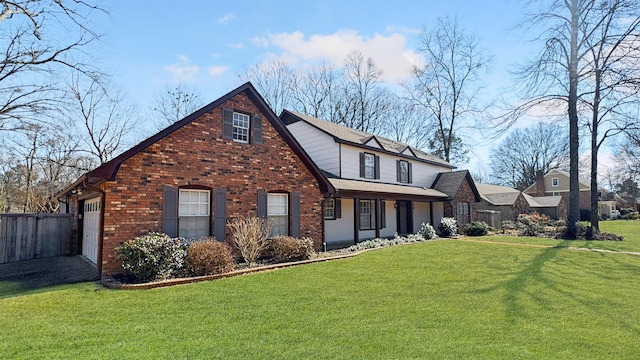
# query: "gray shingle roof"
{"points": [[498, 195], [450, 182], [542, 201], [358, 137]]}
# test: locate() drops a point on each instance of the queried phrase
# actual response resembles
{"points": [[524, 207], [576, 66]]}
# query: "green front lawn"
{"points": [[440, 299]]}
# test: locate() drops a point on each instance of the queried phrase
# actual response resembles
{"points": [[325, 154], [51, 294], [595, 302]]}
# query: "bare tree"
{"points": [[407, 123], [448, 84], [41, 40], [274, 80], [103, 116], [517, 159], [572, 39], [173, 104], [362, 102], [314, 92]]}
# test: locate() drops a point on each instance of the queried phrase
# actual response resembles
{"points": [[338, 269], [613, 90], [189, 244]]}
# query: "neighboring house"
{"points": [[462, 195], [383, 187], [607, 209], [504, 201], [556, 183], [553, 206], [232, 158]]}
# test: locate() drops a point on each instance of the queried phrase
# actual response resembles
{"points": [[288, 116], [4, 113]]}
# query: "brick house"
{"points": [[462, 195], [234, 157], [556, 183]]}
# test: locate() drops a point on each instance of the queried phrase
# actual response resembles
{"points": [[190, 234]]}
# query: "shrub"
{"points": [[630, 216], [625, 211], [153, 256], [286, 248], [250, 236], [475, 228], [208, 257], [427, 231], [532, 224], [381, 243], [448, 227]]}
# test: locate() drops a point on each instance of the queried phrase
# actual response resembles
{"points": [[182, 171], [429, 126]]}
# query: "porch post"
{"points": [[431, 212], [378, 218], [356, 218]]}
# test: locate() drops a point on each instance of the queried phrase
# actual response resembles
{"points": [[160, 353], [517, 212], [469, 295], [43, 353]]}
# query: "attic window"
{"points": [[241, 127], [554, 182]]}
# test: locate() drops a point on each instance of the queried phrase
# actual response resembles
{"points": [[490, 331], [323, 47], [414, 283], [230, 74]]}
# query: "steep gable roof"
{"points": [[450, 182], [347, 135], [109, 170]]}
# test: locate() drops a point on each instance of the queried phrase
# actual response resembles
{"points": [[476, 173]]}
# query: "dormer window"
{"points": [[555, 182]]}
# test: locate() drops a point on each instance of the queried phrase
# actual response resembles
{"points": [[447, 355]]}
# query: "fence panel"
{"points": [[491, 218], [32, 236]]}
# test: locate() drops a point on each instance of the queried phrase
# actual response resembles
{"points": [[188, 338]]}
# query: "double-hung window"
{"points": [[241, 127], [404, 171], [278, 213], [555, 182], [367, 214], [330, 209], [193, 213], [464, 213], [369, 166]]}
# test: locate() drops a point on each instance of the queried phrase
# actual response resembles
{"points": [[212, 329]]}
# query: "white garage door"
{"points": [[91, 229]]}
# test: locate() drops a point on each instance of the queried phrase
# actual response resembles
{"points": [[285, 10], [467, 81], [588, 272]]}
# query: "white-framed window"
{"points": [[193, 213], [241, 127], [555, 182], [369, 166], [556, 193], [464, 213], [404, 171], [367, 214], [278, 213], [330, 209]]}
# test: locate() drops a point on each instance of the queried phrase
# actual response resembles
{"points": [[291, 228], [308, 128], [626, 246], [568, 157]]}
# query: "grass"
{"points": [[441, 299]]}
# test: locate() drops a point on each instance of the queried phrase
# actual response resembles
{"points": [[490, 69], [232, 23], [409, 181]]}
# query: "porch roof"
{"points": [[352, 186]]}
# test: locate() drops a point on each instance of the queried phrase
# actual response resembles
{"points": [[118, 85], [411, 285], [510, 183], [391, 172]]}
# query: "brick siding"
{"points": [[196, 155]]}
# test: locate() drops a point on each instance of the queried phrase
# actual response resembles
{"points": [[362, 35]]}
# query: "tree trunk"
{"points": [[574, 185], [595, 216]]}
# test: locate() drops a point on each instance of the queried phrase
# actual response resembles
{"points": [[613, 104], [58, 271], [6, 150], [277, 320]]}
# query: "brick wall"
{"points": [[196, 155], [464, 194]]}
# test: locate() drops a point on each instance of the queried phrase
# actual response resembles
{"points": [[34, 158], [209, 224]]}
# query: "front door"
{"points": [[404, 217]]}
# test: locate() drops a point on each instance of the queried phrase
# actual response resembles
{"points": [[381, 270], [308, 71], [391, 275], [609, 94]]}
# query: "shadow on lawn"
{"points": [[521, 286], [32, 275]]}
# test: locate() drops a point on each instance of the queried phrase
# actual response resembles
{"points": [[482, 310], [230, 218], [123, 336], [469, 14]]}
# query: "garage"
{"points": [[91, 229]]}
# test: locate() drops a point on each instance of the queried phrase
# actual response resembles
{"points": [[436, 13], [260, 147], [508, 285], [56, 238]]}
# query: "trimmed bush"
{"points": [[154, 256], [476, 228], [427, 231], [630, 216], [208, 257], [448, 227], [287, 248], [250, 237], [532, 224]]}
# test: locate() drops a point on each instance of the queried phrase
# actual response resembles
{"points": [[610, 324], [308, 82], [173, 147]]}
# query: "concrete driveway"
{"points": [[39, 273]]}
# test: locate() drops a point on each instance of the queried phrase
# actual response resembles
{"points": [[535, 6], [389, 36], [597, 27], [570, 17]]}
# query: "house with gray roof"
{"points": [[382, 187]]}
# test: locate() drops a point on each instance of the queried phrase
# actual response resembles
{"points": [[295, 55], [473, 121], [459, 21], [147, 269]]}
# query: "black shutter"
{"points": [[170, 210], [361, 165], [398, 171], [262, 203], [383, 215], [377, 166], [221, 214], [227, 123], [410, 176], [295, 214], [337, 208], [256, 129]]}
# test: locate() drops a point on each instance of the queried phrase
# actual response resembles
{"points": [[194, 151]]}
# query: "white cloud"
{"points": [[237, 45], [390, 53], [402, 30], [225, 19], [217, 70], [183, 71]]}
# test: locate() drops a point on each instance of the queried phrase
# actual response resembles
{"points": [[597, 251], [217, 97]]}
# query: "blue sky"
{"points": [[149, 45]]}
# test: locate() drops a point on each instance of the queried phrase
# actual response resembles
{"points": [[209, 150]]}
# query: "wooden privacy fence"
{"points": [[32, 236], [491, 218]]}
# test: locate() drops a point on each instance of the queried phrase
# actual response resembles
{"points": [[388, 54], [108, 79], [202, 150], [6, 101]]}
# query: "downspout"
{"points": [[85, 184], [324, 236]]}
